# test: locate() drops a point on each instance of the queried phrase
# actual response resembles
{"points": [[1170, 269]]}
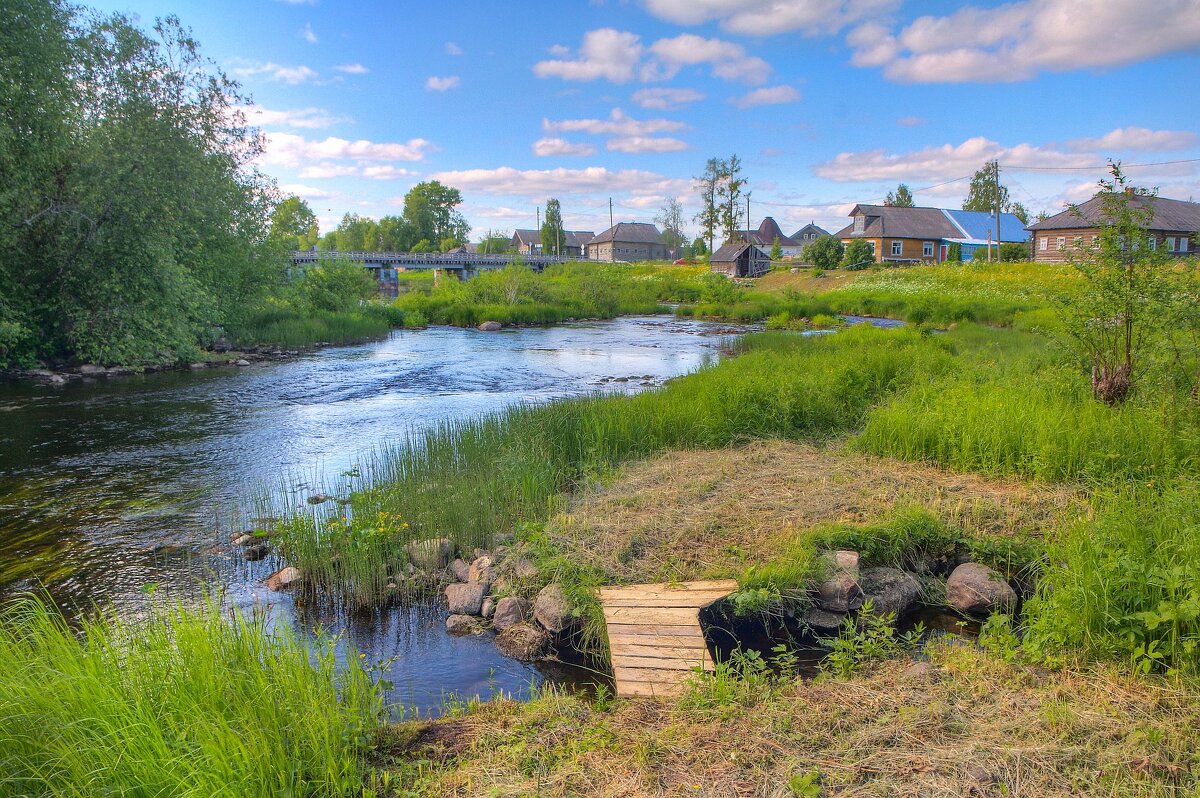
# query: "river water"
{"points": [[110, 488]]}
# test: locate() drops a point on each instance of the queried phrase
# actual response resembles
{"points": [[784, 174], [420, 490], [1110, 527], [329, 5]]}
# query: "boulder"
{"points": [[463, 625], [241, 362], [524, 641], [552, 609], [283, 579], [481, 571], [465, 599], [490, 326], [522, 568], [242, 539], [503, 539], [429, 555], [319, 498], [90, 370], [460, 569], [198, 366], [824, 622], [510, 611], [889, 589], [256, 551], [489, 606], [840, 591], [975, 589]]}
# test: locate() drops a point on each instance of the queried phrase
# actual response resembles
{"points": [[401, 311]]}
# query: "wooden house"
{"points": [[1173, 225], [529, 242], [925, 235], [739, 259], [627, 241], [767, 234]]}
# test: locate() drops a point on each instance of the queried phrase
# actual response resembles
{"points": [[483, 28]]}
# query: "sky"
{"points": [[828, 103]]}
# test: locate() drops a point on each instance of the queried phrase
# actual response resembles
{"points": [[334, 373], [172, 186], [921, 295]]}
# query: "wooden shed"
{"points": [[739, 259]]}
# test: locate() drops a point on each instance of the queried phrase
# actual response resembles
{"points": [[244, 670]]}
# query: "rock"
{"points": [[490, 326], [283, 579], [489, 606], [221, 345], [481, 571], [840, 591], [465, 599], [822, 621], [889, 589], [89, 370], [430, 555], [198, 366], [503, 539], [975, 589], [256, 552], [119, 371], [524, 641], [980, 774], [242, 539], [463, 625], [510, 611], [241, 362], [319, 498], [461, 571], [523, 569], [552, 610]]}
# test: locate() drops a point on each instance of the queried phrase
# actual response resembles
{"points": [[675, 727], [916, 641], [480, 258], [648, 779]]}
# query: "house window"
{"points": [[871, 244], [1095, 242], [1062, 243], [1153, 243], [927, 249], [1043, 242], [1077, 242], [858, 224], [897, 248]]}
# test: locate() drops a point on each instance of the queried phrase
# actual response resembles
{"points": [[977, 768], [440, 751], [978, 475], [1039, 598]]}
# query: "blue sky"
{"points": [[827, 102]]}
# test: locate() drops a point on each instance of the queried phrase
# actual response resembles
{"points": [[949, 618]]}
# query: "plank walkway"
{"points": [[654, 633]]}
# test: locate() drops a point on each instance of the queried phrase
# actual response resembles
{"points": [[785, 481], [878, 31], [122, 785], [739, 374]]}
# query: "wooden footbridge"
{"points": [[654, 633]]}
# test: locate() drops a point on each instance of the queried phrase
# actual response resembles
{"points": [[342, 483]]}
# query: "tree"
{"points": [[858, 255], [553, 234], [699, 249], [494, 243], [430, 212], [981, 195], [294, 225], [901, 198], [335, 284], [707, 184], [730, 193], [670, 219], [825, 253], [357, 234], [776, 250], [1020, 211], [1126, 291]]}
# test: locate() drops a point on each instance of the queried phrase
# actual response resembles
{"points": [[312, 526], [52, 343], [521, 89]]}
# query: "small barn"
{"points": [[739, 259]]}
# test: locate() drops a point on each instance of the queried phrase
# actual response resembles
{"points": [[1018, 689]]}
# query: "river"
{"points": [[113, 490]]}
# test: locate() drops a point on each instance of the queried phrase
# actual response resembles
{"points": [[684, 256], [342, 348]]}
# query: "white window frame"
{"points": [[897, 249], [1043, 243], [859, 223], [1153, 243], [1062, 243], [927, 249], [871, 244]]}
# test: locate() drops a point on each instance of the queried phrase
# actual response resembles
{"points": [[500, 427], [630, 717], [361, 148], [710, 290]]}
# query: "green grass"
{"points": [[185, 703]]}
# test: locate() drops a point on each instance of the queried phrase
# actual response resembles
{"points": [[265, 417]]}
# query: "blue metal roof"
{"points": [[976, 225]]}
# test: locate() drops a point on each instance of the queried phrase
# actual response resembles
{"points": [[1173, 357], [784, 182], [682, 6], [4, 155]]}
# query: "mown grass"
{"points": [[187, 703]]}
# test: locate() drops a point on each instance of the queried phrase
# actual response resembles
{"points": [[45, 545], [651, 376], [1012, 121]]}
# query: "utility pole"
{"points": [[748, 241], [996, 172], [539, 228], [612, 235]]}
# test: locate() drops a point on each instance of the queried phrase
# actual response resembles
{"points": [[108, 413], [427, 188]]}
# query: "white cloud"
{"points": [[291, 75], [775, 95], [385, 172], [325, 171], [1018, 40], [729, 61], [453, 49], [351, 69], [768, 17], [942, 163], [664, 99], [306, 192], [435, 83], [617, 124], [507, 181], [638, 144], [620, 56], [293, 151], [308, 34], [547, 147], [605, 53], [309, 118], [1140, 139]]}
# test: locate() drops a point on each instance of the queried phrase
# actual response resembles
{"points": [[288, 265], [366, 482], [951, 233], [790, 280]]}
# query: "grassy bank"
{"points": [[188, 703]]}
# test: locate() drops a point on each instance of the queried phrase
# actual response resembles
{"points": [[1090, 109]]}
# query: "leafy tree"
{"points": [[553, 234], [494, 243], [858, 255], [670, 219], [357, 234], [730, 192], [825, 253], [981, 195], [901, 198], [707, 184], [954, 253], [294, 225], [699, 248], [422, 246], [448, 244], [395, 234], [430, 210], [335, 284], [1020, 211], [776, 250]]}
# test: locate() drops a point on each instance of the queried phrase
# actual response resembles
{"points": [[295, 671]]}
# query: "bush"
{"points": [[857, 256], [335, 284], [824, 253], [954, 253]]}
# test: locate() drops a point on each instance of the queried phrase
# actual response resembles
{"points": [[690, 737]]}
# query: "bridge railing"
{"points": [[428, 258]]}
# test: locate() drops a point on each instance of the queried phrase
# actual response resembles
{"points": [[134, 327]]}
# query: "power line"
{"points": [[1094, 168], [858, 202]]}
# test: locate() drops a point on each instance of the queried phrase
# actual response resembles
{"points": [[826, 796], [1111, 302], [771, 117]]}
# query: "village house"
{"points": [[529, 242], [740, 259], [926, 235], [767, 234], [628, 241], [1173, 225], [808, 234]]}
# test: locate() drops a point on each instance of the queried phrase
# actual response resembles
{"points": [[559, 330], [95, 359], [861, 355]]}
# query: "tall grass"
{"points": [[187, 703], [469, 479], [287, 327]]}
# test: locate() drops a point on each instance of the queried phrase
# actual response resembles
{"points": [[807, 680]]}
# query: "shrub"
{"points": [[857, 256], [824, 253]]}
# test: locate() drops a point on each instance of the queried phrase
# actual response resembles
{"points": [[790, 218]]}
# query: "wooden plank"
{"points": [[654, 649], [670, 588], [640, 616], [694, 601], [649, 676], [663, 629], [650, 689], [659, 664]]}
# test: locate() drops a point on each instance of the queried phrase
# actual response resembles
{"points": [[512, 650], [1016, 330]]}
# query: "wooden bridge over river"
{"points": [[387, 265]]}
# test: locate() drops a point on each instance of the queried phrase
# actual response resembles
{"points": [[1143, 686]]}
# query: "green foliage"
{"points": [[954, 253], [901, 198], [824, 253], [984, 191], [776, 249], [494, 243], [909, 538], [334, 284], [185, 702], [745, 679], [670, 219], [294, 225], [552, 232], [719, 289], [699, 248], [857, 255], [868, 638], [1011, 252]]}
